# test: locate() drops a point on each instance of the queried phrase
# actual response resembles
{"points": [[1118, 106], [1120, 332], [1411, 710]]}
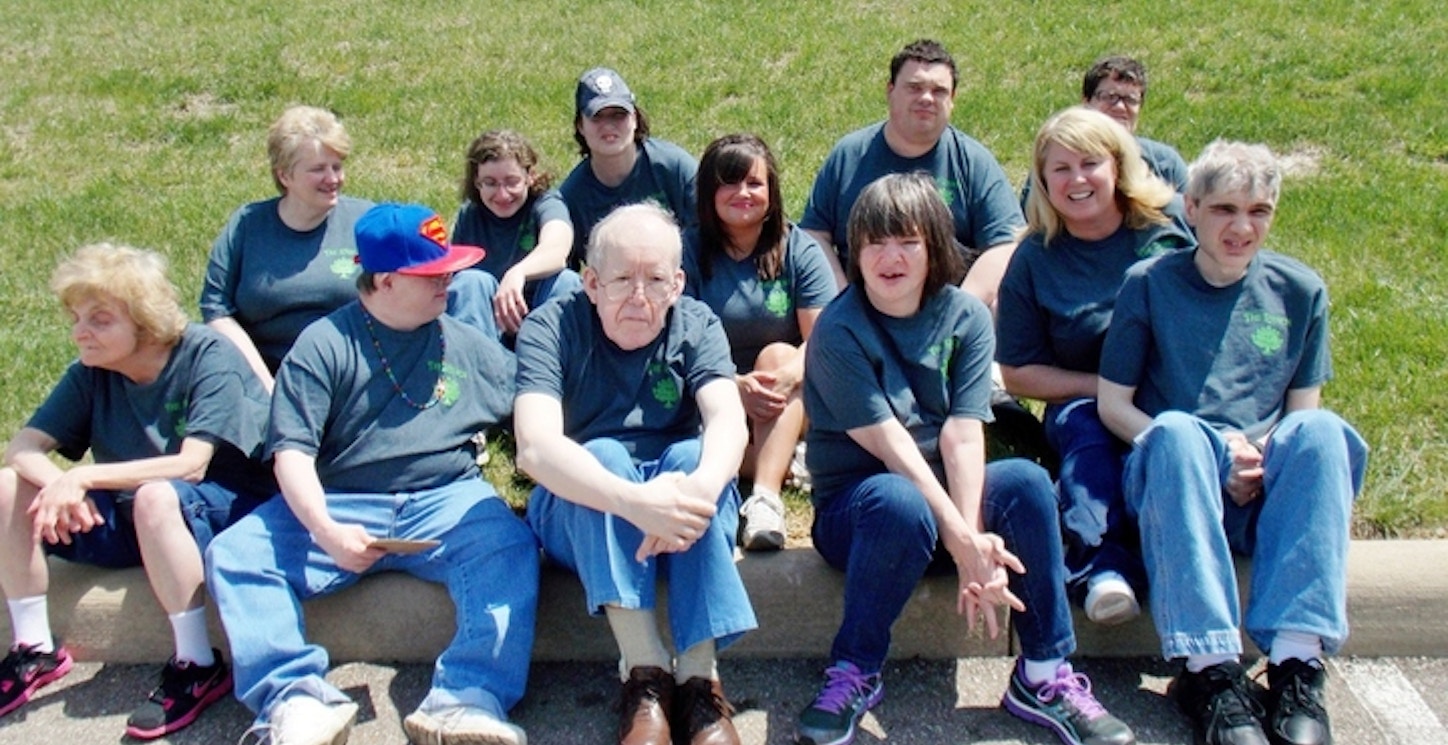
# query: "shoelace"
{"points": [[176, 680], [1297, 695], [702, 705], [774, 505], [1075, 688], [630, 701], [841, 686], [20, 657], [262, 732], [1247, 709]]}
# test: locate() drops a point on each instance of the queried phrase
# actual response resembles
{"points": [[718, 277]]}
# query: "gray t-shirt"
{"points": [[334, 401], [1228, 355], [644, 398], [756, 313], [967, 175], [1055, 302], [206, 391], [507, 240], [276, 281], [1164, 161], [863, 367], [664, 173]]}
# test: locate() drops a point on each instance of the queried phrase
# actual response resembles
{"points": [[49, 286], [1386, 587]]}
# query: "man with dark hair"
{"points": [[917, 136], [1116, 86]]}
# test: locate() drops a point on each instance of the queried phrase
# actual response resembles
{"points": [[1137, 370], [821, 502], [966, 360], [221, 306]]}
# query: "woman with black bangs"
{"points": [[767, 281]]}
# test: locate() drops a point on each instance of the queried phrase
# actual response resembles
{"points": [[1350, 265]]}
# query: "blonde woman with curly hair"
{"points": [[173, 418]]}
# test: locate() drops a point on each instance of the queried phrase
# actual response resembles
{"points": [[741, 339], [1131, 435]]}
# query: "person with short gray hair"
{"points": [[629, 419], [1213, 370]]}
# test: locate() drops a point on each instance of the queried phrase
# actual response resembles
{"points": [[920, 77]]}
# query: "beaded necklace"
{"points": [[438, 391]]}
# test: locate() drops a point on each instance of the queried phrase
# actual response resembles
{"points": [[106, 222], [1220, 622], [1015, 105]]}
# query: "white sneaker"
{"points": [[1110, 600], [761, 521], [303, 720], [461, 725]]}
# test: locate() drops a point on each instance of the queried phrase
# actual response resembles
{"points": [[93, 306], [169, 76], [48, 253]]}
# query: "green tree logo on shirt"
{"points": [[176, 411], [942, 352], [448, 375], [527, 235], [1267, 339], [1270, 332], [1158, 247], [344, 262], [663, 388], [947, 188], [776, 297]]}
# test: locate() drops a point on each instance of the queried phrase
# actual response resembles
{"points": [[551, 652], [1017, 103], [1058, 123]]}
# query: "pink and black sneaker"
{"points": [[26, 670], [186, 689]]}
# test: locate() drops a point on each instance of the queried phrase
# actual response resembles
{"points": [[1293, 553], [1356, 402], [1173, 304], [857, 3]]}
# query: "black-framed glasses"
{"points": [[1111, 98]]}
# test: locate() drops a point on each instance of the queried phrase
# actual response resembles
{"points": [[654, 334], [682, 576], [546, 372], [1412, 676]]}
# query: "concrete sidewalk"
{"points": [[1397, 602], [927, 702]]}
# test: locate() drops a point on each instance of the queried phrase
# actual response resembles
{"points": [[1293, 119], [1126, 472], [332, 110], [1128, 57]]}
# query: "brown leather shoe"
{"points": [[644, 704], [702, 714]]}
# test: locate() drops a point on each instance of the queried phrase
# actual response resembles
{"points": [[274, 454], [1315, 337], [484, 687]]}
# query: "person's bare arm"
{"points": [[827, 242], [659, 507], [61, 507], [1116, 405], [229, 328], [1048, 383], [984, 278], [555, 240], [347, 543]]}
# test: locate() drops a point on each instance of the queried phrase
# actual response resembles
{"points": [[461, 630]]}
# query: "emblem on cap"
{"points": [[433, 230], [604, 84]]}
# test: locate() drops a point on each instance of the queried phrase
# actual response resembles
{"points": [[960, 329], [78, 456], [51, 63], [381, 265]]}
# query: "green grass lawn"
{"points": [[144, 123]]}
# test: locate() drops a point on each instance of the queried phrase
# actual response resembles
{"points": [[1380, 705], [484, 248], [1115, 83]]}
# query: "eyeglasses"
{"points": [[623, 288], [1111, 98]]}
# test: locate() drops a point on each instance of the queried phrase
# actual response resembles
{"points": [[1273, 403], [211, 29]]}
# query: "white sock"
{"points": [[637, 635], [1199, 662], [1289, 644], [698, 661], [1040, 671], [193, 643], [30, 618]]}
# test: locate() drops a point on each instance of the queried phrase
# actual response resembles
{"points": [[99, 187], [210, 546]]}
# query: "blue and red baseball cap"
{"points": [[409, 239]]}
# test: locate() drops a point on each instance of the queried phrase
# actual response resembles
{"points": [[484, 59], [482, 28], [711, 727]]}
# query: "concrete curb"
{"points": [[1397, 600]]}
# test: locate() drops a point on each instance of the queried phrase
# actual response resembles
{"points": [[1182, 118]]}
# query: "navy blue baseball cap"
{"points": [[599, 89]]}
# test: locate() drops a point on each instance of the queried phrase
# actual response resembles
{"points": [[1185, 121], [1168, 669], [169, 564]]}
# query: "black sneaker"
{"points": [[186, 689], [1065, 705], [25, 671], [844, 698], [1297, 714], [1222, 704]]}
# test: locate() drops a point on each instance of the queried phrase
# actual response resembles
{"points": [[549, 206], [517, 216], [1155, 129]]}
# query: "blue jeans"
{"points": [[707, 599], [563, 283], [261, 569], [1296, 532], [1100, 535], [470, 300], [206, 506], [882, 535]]}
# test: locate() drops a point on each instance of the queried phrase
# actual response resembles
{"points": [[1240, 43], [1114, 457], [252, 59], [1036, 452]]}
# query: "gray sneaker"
{"points": [[761, 521]]}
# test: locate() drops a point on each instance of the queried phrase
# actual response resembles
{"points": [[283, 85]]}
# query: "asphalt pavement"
{"points": [[1403, 701]]}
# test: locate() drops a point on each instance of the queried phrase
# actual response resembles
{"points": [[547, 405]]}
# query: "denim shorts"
{"points": [[207, 507]]}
